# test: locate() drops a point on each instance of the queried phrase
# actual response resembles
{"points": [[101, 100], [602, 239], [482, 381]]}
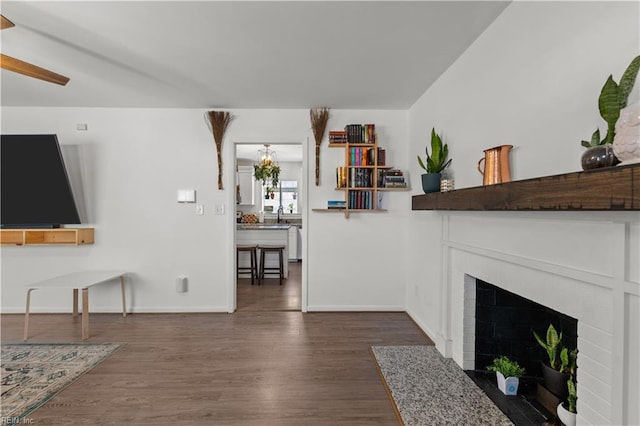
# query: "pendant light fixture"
{"points": [[267, 169]]}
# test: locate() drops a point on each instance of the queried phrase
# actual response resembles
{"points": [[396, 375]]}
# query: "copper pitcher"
{"points": [[496, 165]]}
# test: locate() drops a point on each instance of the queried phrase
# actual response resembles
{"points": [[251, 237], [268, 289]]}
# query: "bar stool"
{"points": [[253, 254], [264, 249]]}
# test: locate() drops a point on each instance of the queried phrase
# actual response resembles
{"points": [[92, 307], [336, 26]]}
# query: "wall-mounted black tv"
{"points": [[36, 192]]}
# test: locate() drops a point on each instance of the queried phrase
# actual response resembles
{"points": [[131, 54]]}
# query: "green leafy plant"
{"points": [[551, 345], [573, 394], [267, 172], [437, 161], [613, 97], [506, 367], [568, 360]]}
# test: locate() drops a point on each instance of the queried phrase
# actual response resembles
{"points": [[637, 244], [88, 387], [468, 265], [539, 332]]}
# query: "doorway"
{"points": [[280, 212]]}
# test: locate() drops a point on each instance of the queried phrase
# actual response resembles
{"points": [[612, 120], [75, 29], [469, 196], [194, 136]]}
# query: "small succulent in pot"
{"points": [[508, 374], [506, 367]]}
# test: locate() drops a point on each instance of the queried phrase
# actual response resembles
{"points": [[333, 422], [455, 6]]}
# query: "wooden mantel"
{"points": [[612, 188]]}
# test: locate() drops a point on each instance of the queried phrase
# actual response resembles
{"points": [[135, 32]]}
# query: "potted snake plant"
{"points": [[613, 97], [435, 163], [560, 364]]}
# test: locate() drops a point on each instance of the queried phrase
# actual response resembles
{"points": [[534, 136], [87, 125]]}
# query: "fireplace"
{"points": [[583, 266], [504, 325]]}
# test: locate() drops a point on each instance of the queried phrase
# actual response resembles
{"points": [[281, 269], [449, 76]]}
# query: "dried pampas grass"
{"points": [[319, 119], [218, 122]]}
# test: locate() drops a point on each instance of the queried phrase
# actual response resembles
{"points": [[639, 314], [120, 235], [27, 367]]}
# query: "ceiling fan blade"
{"points": [[5, 23], [16, 65]]}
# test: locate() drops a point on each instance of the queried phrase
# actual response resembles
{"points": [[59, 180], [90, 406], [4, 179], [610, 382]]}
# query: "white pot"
{"points": [[566, 416], [508, 385], [626, 143]]}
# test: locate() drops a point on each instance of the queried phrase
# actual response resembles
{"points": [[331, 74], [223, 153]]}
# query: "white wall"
{"points": [[358, 262], [532, 79], [132, 162]]}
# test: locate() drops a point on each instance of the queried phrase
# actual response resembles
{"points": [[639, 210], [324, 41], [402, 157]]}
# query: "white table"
{"points": [[77, 281]]}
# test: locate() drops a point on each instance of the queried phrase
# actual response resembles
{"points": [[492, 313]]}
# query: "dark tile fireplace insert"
{"points": [[504, 325]]}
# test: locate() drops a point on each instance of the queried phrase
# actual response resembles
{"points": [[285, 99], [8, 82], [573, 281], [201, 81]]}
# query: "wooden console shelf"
{"points": [[67, 236], [612, 188]]}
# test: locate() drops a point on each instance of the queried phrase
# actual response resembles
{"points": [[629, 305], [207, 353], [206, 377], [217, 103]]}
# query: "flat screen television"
{"points": [[35, 188]]}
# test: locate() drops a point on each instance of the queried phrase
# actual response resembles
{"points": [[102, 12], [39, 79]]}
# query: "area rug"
{"points": [[33, 373], [428, 389]]}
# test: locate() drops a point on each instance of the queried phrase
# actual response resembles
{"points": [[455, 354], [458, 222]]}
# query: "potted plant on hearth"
{"points": [[508, 374], [567, 410], [613, 98], [561, 362], [435, 164]]}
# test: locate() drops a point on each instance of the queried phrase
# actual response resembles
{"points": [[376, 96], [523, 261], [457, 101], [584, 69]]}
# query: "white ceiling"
{"points": [[237, 54]]}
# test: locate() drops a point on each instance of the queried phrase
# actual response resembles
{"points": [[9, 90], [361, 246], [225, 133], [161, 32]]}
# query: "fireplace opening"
{"points": [[503, 324]]}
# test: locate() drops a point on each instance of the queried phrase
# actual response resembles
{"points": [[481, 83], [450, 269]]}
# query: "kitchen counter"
{"points": [[263, 226]]}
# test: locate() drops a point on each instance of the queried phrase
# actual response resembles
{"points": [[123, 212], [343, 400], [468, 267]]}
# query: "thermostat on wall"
{"points": [[186, 195]]}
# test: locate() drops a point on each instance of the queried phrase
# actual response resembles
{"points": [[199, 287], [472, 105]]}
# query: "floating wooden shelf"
{"points": [[65, 236], [612, 188]]}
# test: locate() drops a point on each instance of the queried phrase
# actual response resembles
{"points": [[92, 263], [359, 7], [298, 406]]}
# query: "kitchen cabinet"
{"points": [[293, 243], [246, 185]]}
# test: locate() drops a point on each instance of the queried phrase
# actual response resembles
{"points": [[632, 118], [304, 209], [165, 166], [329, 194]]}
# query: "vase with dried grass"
{"points": [[218, 122], [319, 119]]}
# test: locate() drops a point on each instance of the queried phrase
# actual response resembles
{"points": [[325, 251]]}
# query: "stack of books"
{"points": [[337, 136], [336, 204], [393, 178], [360, 133]]}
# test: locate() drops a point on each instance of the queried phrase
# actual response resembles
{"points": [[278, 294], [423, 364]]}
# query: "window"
{"points": [[285, 195]]}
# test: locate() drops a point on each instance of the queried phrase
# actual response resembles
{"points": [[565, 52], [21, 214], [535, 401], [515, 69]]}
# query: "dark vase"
{"points": [[598, 156], [431, 182], [555, 381]]}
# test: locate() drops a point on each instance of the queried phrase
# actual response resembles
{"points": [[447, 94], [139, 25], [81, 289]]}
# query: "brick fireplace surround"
{"points": [[585, 265]]}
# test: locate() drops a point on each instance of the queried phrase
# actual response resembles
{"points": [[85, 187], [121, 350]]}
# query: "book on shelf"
{"points": [[336, 204], [341, 176], [337, 136], [382, 156], [361, 200]]}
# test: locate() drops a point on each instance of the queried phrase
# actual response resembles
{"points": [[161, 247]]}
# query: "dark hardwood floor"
{"points": [[246, 368], [270, 295]]}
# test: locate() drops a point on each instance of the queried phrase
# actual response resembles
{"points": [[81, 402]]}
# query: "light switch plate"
{"points": [[199, 209]]}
